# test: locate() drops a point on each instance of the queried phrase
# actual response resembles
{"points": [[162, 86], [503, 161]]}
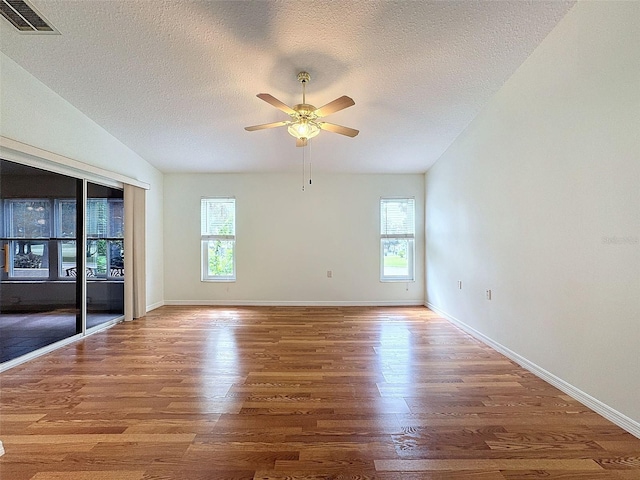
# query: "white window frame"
{"points": [[409, 237], [205, 238], [60, 238], [62, 271], [11, 239]]}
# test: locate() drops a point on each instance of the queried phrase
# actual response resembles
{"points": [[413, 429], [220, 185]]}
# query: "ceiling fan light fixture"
{"points": [[304, 129]]}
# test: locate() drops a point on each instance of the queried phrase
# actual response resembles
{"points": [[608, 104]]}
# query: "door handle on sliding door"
{"points": [[5, 257]]}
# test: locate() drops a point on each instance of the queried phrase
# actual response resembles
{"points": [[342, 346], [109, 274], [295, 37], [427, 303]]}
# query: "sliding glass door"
{"points": [[47, 268]]}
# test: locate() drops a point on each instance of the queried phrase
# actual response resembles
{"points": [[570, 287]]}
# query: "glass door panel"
{"points": [[39, 300], [104, 254]]}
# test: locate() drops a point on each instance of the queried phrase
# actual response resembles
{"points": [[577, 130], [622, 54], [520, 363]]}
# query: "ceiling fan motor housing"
{"points": [[304, 110]]}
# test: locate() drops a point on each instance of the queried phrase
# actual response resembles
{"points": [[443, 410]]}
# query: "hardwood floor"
{"points": [[199, 393]]}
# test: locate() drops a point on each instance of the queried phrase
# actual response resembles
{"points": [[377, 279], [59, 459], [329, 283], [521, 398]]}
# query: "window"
{"points": [[42, 233], [29, 227], [397, 238], [42, 238], [65, 231], [218, 238], [105, 237]]}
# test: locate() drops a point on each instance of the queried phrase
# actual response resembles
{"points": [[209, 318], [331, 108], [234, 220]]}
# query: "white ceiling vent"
{"points": [[25, 17]]}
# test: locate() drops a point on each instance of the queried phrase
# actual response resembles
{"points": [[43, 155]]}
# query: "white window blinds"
{"points": [[397, 217], [218, 217]]}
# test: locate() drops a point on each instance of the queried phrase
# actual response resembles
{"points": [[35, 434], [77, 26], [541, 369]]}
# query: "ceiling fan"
{"points": [[305, 123]]}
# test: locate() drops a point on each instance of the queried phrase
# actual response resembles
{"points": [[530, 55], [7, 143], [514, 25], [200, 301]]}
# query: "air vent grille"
{"points": [[24, 17]]}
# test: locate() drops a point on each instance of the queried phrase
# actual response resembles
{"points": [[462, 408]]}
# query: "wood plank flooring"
{"points": [[195, 393]]}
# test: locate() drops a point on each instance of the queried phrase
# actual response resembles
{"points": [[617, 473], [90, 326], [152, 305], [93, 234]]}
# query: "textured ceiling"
{"points": [[176, 80]]}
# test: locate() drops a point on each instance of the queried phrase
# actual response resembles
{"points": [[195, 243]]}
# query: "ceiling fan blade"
{"points": [[332, 127], [276, 103], [265, 125], [335, 106], [301, 142]]}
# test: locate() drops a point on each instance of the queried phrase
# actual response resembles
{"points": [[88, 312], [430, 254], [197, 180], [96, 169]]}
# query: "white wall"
{"points": [[539, 200], [288, 239], [33, 114]]}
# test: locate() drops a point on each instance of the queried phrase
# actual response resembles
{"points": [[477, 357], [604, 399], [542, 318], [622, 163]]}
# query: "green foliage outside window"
{"points": [[220, 258], [221, 251]]}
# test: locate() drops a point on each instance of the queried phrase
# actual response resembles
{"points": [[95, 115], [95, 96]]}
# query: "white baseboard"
{"points": [[153, 306], [594, 404], [298, 303]]}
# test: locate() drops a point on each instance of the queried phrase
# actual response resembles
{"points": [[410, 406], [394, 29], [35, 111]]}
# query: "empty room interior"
{"points": [[319, 240]]}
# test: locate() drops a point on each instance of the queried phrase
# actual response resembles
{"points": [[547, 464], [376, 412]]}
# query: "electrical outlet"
{"points": [[329, 273], [459, 284], [488, 294]]}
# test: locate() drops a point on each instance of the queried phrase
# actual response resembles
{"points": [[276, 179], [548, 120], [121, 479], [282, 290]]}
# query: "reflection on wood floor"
{"points": [[199, 393]]}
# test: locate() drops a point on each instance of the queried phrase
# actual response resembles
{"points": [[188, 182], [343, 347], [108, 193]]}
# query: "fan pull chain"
{"points": [[302, 169], [309, 143]]}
